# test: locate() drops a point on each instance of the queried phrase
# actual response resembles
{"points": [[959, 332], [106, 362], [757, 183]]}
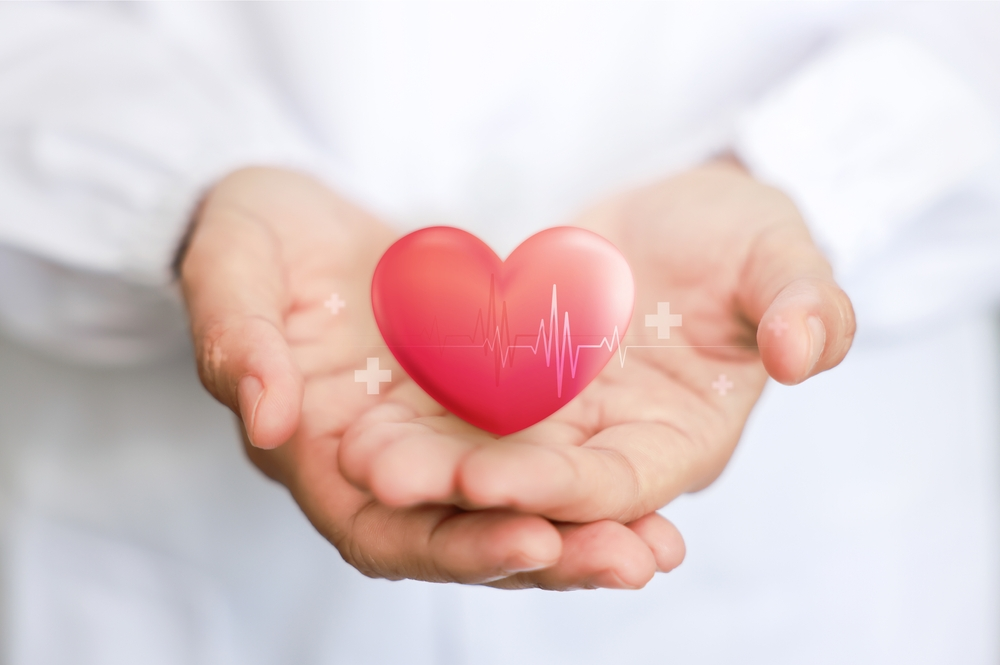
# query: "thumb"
{"points": [[234, 284], [805, 322]]}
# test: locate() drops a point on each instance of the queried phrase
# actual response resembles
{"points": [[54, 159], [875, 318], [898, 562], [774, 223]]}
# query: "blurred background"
{"points": [[859, 520]]}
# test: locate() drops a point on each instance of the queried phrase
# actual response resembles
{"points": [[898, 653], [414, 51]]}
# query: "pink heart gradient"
{"points": [[502, 344]]}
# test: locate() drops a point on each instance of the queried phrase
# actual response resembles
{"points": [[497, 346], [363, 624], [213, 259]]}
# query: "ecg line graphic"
{"points": [[556, 344], [560, 350]]}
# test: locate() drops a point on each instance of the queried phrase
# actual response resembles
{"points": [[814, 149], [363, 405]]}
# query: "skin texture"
{"points": [[405, 490]]}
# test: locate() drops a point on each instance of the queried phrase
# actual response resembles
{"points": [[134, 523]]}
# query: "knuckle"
{"points": [[210, 354], [361, 542], [354, 554]]}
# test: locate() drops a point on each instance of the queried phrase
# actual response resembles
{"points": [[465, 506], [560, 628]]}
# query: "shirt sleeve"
{"points": [[109, 134], [871, 133]]}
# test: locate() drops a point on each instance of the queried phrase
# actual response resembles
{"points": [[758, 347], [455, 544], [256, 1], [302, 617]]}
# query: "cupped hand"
{"points": [[276, 276], [734, 259]]}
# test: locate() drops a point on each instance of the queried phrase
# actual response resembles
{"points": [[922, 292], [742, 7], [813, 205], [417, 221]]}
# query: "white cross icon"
{"points": [[334, 304], [778, 326], [663, 320], [722, 384], [373, 376]]}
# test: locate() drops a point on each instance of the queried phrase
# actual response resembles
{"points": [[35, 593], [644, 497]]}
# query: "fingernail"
{"points": [[817, 341], [522, 564], [248, 392]]}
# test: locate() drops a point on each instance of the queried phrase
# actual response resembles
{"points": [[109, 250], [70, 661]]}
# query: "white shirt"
{"points": [[503, 119], [879, 122]]}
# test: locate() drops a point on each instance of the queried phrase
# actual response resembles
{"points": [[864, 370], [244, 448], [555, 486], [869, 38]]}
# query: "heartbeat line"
{"points": [[556, 344]]}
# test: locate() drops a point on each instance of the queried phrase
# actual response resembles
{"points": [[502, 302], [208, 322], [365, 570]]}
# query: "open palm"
{"points": [[276, 277], [729, 255]]}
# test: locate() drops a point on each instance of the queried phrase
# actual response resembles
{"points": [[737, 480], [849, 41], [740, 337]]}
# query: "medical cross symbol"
{"points": [[778, 326], [334, 304], [373, 376], [723, 385], [663, 320]]}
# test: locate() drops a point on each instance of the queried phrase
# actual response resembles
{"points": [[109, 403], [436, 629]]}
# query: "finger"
{"points": [[806, 322], [621, 473], [403, 462], [446, 544], [433, 543], [442, 544], [369, 435], [235, 289], [601, 554], [807, 329], [418, 469], [663, 540]]}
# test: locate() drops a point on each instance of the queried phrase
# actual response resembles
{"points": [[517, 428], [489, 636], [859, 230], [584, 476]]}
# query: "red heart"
{"points": [[502, 344]]}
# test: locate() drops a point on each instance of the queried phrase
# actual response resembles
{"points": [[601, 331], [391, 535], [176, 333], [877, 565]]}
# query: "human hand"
{"points": [[268, 249], [734, 259]]}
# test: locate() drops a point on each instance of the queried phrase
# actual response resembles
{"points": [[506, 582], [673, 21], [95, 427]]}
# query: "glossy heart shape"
{"points": [[502, 344]]}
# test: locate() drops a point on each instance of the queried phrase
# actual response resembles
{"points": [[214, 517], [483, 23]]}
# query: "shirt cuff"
{"points": [[864, 138]]}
